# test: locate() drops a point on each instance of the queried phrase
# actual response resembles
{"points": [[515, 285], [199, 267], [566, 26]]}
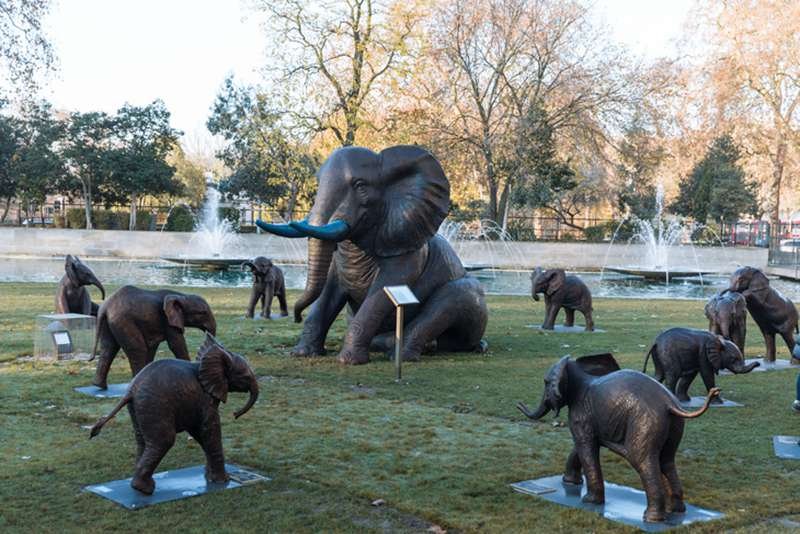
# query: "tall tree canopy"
{"points": [[717, 188], [25, 50]]}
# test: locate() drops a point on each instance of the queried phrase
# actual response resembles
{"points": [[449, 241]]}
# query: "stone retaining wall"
{"points": [[525, 255]]}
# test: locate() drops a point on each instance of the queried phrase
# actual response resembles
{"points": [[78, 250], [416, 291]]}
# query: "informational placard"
{"points": [[63, 342], [401, 295]]}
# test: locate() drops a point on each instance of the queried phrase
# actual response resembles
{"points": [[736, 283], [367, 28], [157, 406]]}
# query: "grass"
{"points": [[440, 448]]}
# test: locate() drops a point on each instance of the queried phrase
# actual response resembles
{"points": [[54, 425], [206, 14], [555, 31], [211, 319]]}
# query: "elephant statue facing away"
{"points": [[629, 413], [171, 396], [138, 320], [772, 312], [373, 224], [267, 283], [72, 296], [679, 354], [562, 291], [727, 316]]}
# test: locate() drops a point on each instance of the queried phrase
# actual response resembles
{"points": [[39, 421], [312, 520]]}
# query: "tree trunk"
{"points": [[41, 215], [132, 221], [5, 210], [87, 204], [504, 204], [778, 163], [290, 204]]}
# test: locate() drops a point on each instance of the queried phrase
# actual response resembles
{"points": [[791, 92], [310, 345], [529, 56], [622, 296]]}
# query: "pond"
{"points": [[495, 282]]}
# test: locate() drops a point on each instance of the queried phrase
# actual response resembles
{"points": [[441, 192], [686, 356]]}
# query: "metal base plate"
{"points": [[113, 391], [623, 504], [786, 447], [561, 329], [777, 365], [698, 402], [173, 485]]}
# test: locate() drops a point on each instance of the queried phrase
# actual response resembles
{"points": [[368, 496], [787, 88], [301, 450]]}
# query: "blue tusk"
{"points": [[283, 230], [333, 231]]}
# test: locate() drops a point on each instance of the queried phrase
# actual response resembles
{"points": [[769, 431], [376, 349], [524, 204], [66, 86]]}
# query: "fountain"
{"points": [[659, 238], [214, 239]]}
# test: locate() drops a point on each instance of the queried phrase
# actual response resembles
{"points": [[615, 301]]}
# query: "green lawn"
{"points": [[440, 449]]}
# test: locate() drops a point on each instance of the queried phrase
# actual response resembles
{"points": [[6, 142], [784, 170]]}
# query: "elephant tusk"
{"points": [[333, 231], [283, 230]]}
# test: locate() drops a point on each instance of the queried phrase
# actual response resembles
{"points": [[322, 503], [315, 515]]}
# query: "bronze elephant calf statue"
{"points": [[727, 316], [562, 291], [373, 224], [627, 412], [267, 283], [772, 312], [72, 296], [172, 396], [679, 354], [138, 320]]}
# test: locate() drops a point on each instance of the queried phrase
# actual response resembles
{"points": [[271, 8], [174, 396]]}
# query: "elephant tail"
{"points": [[675, 410], [101, 320], [98, 426], [647, 357]]}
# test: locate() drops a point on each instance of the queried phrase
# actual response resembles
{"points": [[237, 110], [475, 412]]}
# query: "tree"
{"points": [[717, 187], [754, 68], [267, 165], [640, 156], [333, 54], [24, 47], [142, 139], [10, 145], [190, 173]]}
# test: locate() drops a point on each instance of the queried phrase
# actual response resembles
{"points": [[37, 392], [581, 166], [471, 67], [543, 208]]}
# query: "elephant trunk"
{"points": [[251, 401], [740, 368], [320, 255], [96, 283], [211, 326], [540, 412]]}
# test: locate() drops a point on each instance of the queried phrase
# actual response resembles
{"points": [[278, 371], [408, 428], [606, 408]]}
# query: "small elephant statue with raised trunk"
{"points": [[629, 413], [72, 296], [562, 291], [727, 316], [267, 283], [172, 396], [138, 320], [679, 354], [772, 312]]}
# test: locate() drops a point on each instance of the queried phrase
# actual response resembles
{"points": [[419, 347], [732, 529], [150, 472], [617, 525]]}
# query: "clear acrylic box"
{"points": [[64, 336]]}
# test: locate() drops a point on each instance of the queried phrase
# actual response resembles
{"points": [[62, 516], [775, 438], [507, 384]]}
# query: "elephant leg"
{"points": [[572, 471], [769, 339], [589, 455], [668, 469], [320, 318], [266, 308], [788, 338], [650, 473], [682, 388], [94, 309], [148, 462], [137, 432], [108, 351], [587, 315], [177, 343], [707, 374], [569, 319], [436, 321], [210, 439], [550, 316], [282, 302], [671, 380], [139, 358], [251, 306]]}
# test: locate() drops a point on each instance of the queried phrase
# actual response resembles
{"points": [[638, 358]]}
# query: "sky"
{"points": [[113, 52]]}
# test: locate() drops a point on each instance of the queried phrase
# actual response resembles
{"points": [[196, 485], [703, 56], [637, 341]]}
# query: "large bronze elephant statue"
{"points": [[625, 411], [72, 296], [171, 396], [373, 224], [138, 320], [727, 316], [772, 312], [562, 291]]}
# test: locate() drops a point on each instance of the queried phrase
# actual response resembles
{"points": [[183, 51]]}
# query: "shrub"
{"points": [[76, 218], [596, 234], [232, 215], [180, 220], [145, 221], [107, 220], [60, 221], [521, 230]]}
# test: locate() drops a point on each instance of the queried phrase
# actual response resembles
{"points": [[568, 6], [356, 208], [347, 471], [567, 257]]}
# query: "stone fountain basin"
{"points": [[658, 274], [211, 264]]}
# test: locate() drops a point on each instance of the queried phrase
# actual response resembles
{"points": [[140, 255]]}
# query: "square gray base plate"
{"points": [[698, 402], [561, 329], [777, 365], [786, 447], [623, 504], [113, 391], [173, 485]]}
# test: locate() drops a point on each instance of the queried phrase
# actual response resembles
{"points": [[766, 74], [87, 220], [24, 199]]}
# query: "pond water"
{"points": [[495, 282]]}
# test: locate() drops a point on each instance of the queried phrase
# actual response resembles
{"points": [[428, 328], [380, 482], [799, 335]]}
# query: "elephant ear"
{"points": [[250, 265], [69, 268], [740, 303], [557, 278], [598, 364], [758, 281], [173, 309], [416, 199], [714, 351], [213, 373]]}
